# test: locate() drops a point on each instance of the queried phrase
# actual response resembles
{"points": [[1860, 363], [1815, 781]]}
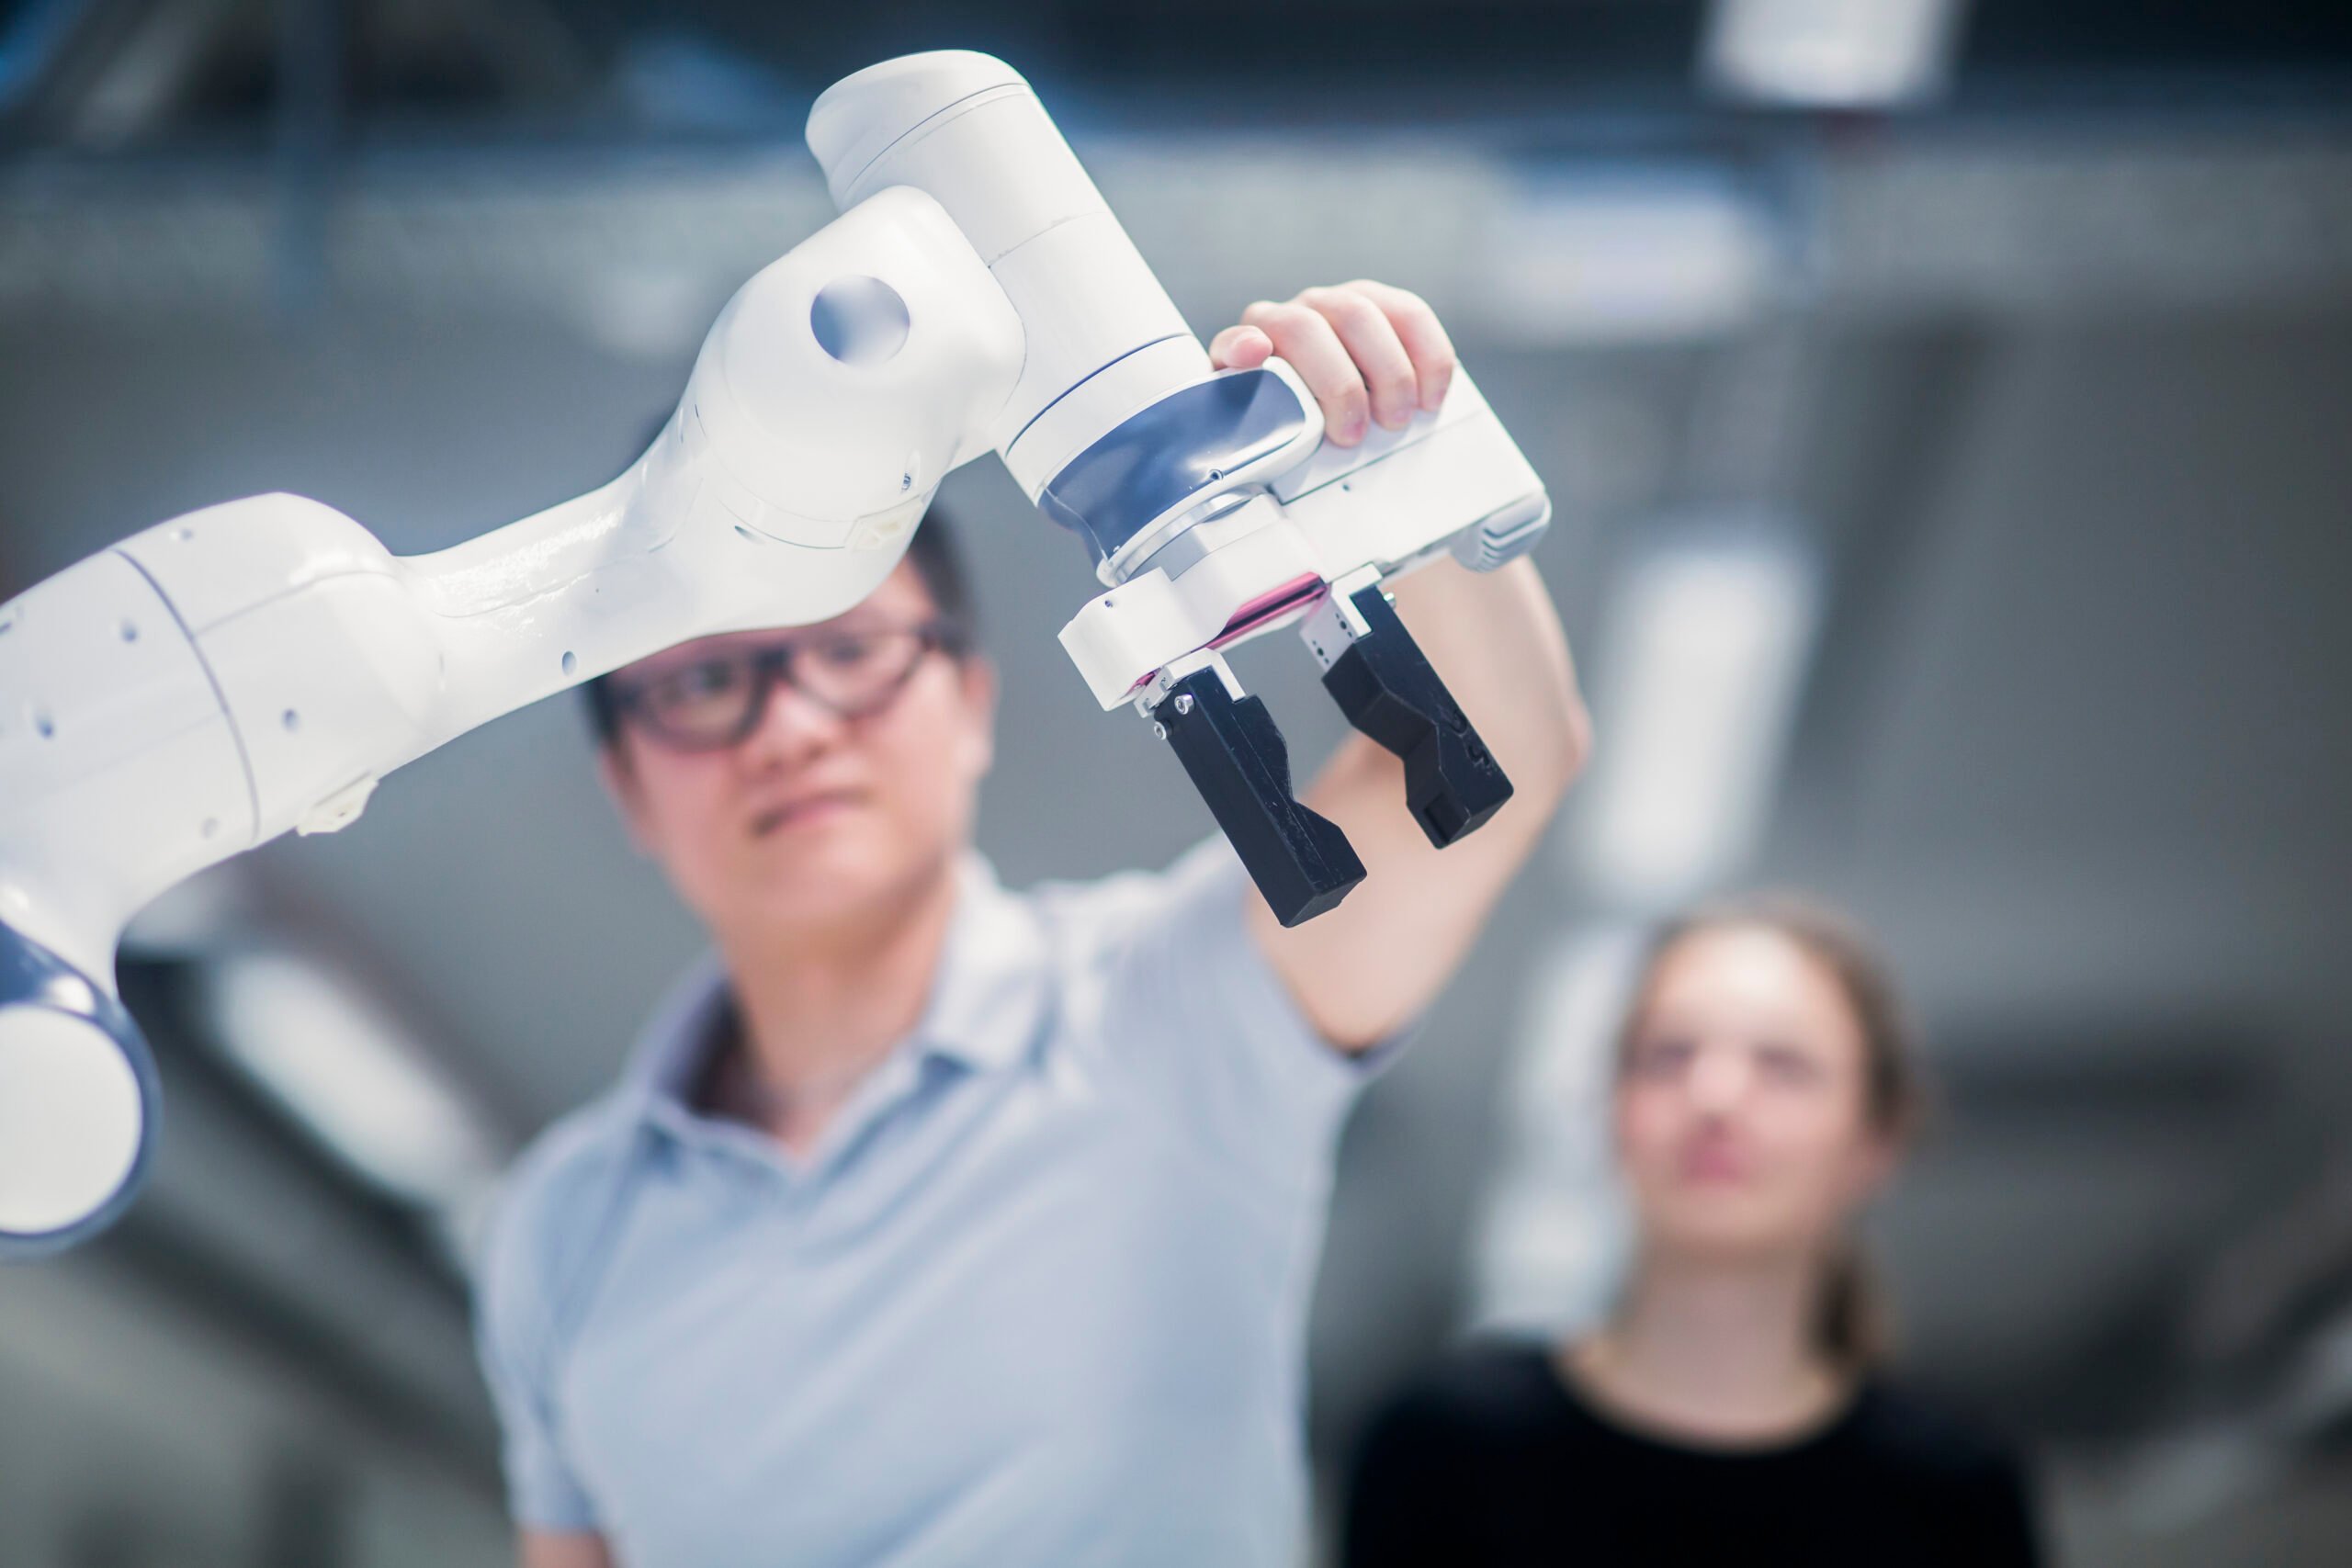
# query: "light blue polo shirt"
{"points": [[1039, 1297]]}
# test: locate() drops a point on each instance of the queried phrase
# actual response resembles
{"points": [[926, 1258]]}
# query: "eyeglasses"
{"points": [[717, 701]]}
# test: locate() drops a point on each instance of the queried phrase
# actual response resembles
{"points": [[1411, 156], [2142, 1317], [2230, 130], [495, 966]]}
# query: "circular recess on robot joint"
{"points": [[859, 319]]}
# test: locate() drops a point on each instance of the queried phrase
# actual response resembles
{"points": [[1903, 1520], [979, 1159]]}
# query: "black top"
{"points": [[1494, 1462]]}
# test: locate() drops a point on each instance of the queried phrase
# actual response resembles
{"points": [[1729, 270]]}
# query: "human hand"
{"points": [[1369, 352]]}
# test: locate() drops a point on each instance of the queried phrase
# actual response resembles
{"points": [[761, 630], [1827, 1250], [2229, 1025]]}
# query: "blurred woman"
{"points": [[1734, 1409]]}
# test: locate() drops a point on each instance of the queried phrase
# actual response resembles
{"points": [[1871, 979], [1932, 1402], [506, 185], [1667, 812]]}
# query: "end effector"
{"points": [[1240, 553]]}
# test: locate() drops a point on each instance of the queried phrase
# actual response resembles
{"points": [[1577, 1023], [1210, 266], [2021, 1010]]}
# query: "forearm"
{"points": [[1371, 350], [1378, 960]]}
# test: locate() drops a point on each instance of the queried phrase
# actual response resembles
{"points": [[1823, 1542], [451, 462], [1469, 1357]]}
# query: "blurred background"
{"points": [[1945, 404]]}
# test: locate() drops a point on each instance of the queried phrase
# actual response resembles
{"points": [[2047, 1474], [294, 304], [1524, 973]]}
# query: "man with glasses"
{"points": [[939, 1223]]}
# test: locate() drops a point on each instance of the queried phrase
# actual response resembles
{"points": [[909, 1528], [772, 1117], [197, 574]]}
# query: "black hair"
{"points": [[938, 559]]}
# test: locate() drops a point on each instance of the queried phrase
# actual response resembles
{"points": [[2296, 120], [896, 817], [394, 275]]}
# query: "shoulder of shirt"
{"points": [[1494, 1385], [1098, 911], [1084, 903], [1930, 1438], [544, 1219]]}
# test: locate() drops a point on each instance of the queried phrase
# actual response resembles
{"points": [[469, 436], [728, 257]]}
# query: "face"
{"points": [[812, 817], [1740, 1106]]}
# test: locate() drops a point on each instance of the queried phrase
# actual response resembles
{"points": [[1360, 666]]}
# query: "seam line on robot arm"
{"points": [[219, 698], [923, 125], [1090, 374]]}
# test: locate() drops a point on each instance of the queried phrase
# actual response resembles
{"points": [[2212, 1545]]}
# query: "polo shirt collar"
{"points": [[987, 1007]]}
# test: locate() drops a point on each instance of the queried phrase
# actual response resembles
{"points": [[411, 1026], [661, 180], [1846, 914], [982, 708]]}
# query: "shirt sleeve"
{"points": [[515, 1331], [1193, 1004]]}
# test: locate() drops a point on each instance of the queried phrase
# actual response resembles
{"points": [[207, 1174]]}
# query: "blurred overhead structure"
{"points": [[1918, 227], [1573, 178], [1831, 55], [1700, 666], [113, 72], [346, 1068]]}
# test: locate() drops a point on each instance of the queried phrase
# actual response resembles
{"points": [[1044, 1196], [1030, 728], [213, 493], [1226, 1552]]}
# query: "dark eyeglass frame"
{"points": [[773, 664]]}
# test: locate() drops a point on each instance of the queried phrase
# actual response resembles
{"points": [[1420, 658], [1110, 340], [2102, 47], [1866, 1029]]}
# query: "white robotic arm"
{"points": [[258, 666]]}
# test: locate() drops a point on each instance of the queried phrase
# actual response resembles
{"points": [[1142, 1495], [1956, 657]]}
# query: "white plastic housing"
{"points": [[968, 129], [119, 773], [256, 666], [1453, 481]]}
